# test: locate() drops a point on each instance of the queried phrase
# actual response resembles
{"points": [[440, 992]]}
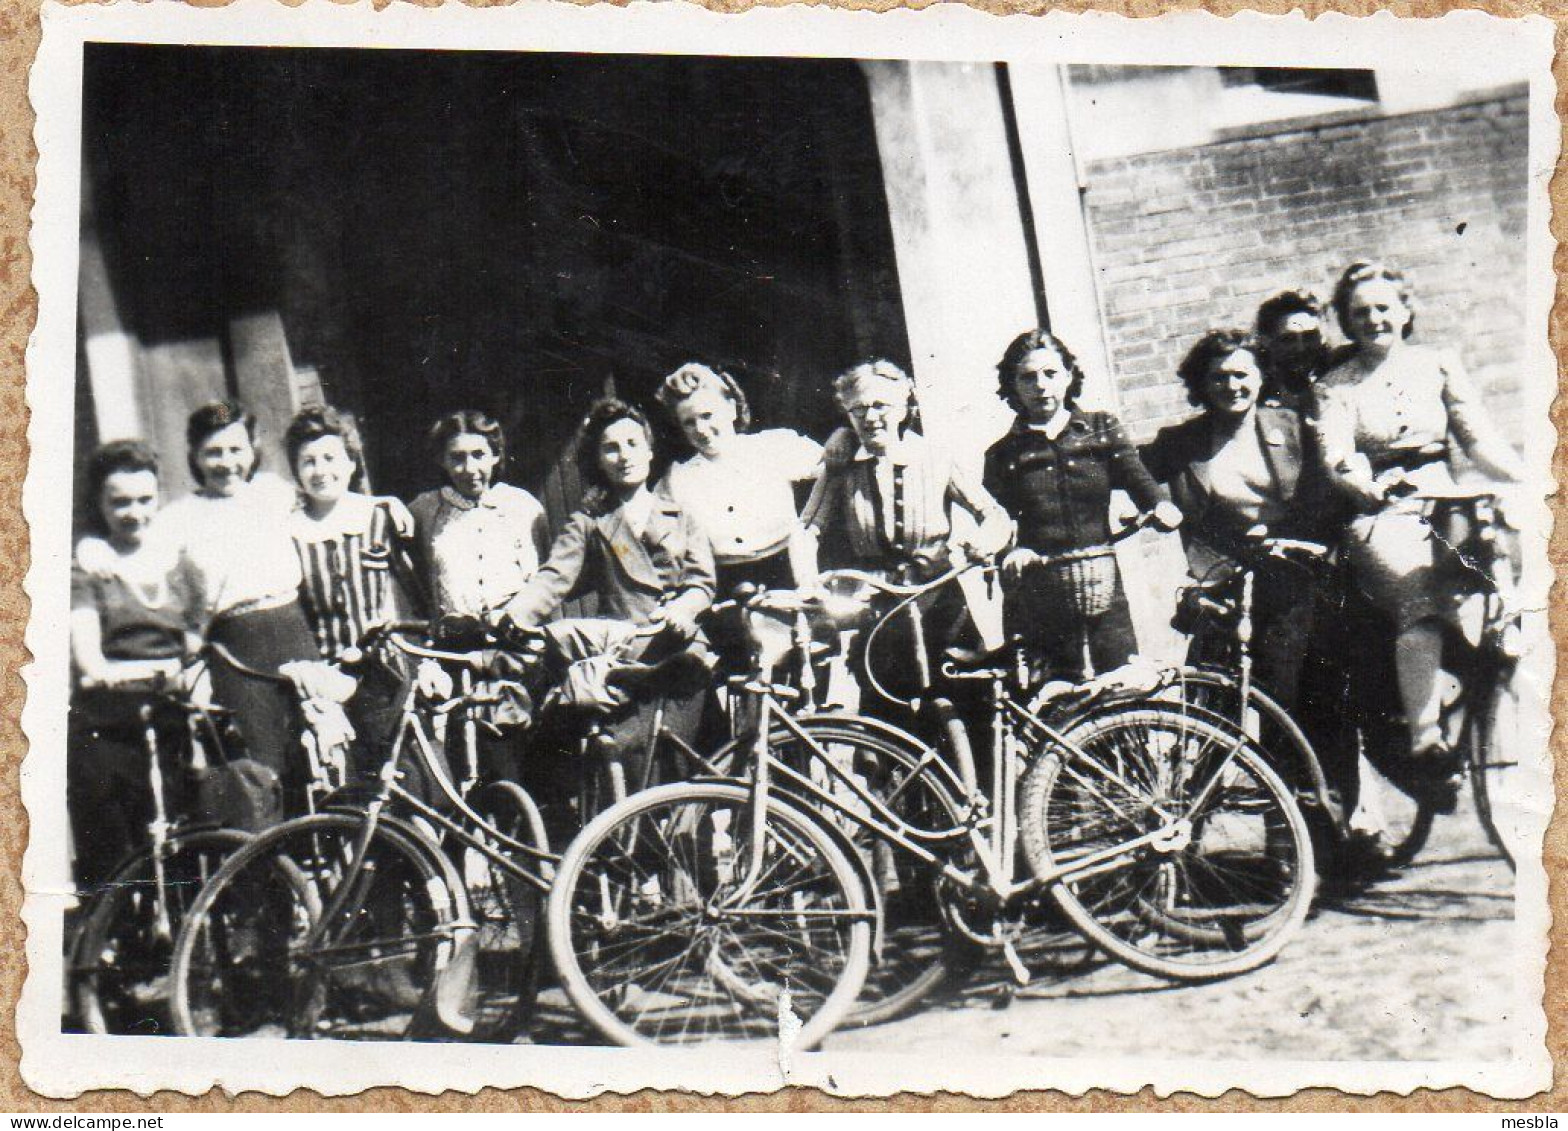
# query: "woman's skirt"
{"points": [[1393, 564], [265, 712]]}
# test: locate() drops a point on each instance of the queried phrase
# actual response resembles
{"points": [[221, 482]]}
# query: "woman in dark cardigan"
{"points": [[1246, 462], [1054, 472]]}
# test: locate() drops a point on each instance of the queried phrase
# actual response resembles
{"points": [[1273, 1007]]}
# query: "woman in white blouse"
{"points": [[739, 485], [480, 539], [235, 550], [1392, 417]]}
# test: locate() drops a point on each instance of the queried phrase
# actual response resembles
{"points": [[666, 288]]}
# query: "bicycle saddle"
{"points": [[974, 659]]}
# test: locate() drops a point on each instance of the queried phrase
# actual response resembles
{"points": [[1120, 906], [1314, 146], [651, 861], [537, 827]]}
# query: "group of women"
{"points": [[277, 573]]}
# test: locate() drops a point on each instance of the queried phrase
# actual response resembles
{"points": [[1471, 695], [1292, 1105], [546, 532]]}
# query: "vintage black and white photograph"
{"points": [[976, 559]]}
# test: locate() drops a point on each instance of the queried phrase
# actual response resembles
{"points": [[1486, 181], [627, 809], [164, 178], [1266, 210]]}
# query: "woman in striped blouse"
{"points": [[348, 543], [886, 504]]}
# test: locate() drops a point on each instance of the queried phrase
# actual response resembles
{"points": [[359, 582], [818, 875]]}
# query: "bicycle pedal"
{"points": [[1015, 964]]}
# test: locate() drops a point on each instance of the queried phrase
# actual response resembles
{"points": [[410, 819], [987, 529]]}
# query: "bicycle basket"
{"points": [[1083, 583]]}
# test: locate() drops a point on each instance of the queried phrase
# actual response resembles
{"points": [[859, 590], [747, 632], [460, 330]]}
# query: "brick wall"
{"points": [[1189, 239], [1193, 238]]}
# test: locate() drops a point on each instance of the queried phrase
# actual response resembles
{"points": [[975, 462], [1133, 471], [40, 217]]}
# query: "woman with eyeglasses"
{"points": [[887, 500]]}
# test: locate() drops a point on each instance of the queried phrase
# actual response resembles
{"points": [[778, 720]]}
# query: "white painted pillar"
{"points": [[957, 235], [1051, 167], [1153, 567], [111, 352]]}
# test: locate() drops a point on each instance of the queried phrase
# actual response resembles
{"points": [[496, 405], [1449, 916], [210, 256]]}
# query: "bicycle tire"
{"points": [[246, 952], [1494, 772], [120, 958], [1220, 899], [506, 914], [920, 955], [644, 883]]}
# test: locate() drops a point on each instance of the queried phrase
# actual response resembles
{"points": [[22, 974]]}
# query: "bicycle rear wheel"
{"points": [[1492, 744], [308, 932], [919, 956], [120, 960], [657, 943], [1225, 876]]}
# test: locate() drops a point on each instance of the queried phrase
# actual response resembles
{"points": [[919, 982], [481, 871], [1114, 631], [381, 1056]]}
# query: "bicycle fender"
{"points": [[448, 995]]}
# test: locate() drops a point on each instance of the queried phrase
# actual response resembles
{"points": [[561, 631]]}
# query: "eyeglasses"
{"points": [[875, 408]]}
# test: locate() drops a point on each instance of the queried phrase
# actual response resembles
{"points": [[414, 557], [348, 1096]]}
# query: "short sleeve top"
{"points": [[744, 500], [236, 549], [142, 612]]}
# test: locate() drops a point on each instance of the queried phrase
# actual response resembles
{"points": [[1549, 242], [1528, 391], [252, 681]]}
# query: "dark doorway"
{"points": [[510, 231]]}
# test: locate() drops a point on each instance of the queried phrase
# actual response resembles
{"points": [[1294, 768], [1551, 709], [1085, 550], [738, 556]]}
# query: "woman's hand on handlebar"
{"points": [[1165, 516], [1017, 562], [676, 622]]}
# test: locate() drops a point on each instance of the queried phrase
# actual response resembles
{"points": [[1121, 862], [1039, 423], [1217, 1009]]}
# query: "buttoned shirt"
{"points": [[744, 499], [892, 511], [478, 553], [1059, 490], [1404, 414]]}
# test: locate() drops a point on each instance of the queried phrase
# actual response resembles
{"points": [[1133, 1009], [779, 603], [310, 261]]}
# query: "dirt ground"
{"points": [[1415, 968]]}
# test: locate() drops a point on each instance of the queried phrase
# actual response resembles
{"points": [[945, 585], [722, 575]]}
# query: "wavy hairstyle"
{"points": [[210, 419], [1201, 358], [1367, 271], [694, 376], [467, 422], [1273, 312], [1022, 346], [601, 415], [111, 459], [316, 422]]}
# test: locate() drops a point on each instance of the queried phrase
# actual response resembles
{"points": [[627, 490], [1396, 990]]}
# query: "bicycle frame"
{"points": [[990, 826]]}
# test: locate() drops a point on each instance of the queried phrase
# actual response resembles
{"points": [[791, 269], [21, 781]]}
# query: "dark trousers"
{"points": [[108, 787], [1054, 635]]}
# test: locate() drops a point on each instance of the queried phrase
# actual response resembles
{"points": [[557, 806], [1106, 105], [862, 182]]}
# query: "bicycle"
{"points": [[354, 921], [382, 923], [1481, 655], [119, 958], [1218, 613], [1165, 840]]}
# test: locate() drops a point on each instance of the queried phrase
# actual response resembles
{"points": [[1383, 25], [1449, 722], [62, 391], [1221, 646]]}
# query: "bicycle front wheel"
{"points": [[313, 930], [662, 935], [1170, 843], [120, 962], [506, 913], [919, 955]]}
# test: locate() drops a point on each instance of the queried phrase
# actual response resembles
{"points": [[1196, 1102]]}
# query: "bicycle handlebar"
{"points": [[229, 659]]}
